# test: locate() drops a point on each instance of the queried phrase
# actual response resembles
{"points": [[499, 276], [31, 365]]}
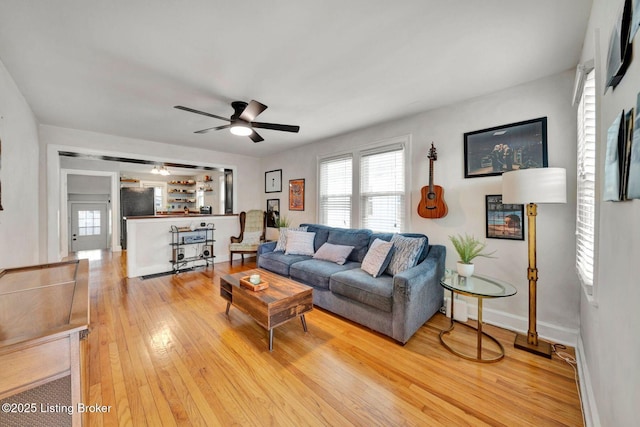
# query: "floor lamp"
{"points": [[530, 187]]}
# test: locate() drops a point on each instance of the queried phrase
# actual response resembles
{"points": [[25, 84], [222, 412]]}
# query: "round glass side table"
{"points": [[480, 287]]}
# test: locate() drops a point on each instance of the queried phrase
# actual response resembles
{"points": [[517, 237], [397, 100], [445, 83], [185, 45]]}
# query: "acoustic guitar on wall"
{"points": [[432, 204]]}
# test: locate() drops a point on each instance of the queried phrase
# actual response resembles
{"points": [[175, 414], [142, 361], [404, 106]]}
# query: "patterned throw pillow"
{"points": [[251, 237], [406, 251], [378, 256], [333, 253], [282, 240], [299, 243]]}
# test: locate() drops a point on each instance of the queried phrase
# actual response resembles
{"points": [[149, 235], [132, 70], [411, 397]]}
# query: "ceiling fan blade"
{"points": [[275, 126], [191, 110], [252, 111], [215, 128], [255, 137]]}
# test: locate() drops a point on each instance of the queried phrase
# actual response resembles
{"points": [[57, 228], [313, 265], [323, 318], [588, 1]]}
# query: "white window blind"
{"points": [[586, 182], [336, 177], [382, 189]]}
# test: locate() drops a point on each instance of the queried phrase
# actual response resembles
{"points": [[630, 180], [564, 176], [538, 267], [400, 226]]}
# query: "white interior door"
{"points": [[88, 226]]}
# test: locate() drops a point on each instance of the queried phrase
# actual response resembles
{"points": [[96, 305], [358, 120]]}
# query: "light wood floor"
{"points": [[162, 352]]}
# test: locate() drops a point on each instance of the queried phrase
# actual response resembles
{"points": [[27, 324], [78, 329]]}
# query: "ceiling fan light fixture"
{"points": [[155, 170], [164, 171], [240, 130]]}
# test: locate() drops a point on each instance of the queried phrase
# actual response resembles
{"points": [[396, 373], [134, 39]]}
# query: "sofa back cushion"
{"points": [[322, 233], [358, 238]]}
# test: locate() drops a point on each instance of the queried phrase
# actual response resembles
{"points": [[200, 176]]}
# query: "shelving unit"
{"points": [[191, 247], [183, 194]]}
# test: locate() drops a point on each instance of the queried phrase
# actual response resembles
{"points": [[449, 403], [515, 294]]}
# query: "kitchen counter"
{"points": [[178, 215], [149, 240]]}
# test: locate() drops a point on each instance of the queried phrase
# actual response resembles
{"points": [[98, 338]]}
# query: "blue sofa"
{"points": [[394, 306]]}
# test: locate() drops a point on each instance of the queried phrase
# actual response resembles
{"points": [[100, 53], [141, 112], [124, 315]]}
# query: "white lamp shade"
{"points": [[537, 185]]}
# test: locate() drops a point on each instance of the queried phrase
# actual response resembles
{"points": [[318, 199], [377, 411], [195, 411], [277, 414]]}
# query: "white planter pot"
{"points": [[465, 270]]}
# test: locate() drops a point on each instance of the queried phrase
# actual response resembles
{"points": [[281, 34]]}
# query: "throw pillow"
{"points": [[282, 239], [299, 243], [378, 256], [405, 254], [251, 237], [333, 253]]}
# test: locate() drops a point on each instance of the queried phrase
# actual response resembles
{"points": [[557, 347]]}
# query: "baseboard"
{"points": [[589, 407], [546, 331]]}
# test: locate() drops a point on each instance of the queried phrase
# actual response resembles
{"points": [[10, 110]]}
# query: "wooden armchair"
{"points": [[253, 226]]}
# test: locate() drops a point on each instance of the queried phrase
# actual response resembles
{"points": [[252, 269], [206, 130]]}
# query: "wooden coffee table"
{"points": [[282, 301]]}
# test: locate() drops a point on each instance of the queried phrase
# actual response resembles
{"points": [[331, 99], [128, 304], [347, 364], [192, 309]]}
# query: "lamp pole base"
{"points": [[543, 348]]}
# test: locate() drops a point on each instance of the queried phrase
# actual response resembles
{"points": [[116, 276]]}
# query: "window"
{"points": [[88, 223], [365, 188], [159, 191], [335, 191], [382, 189], [586, 182]]}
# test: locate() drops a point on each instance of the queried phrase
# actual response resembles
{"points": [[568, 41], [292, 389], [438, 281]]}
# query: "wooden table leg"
{"points": [[270, 339], [227, 310], [304, 323]]}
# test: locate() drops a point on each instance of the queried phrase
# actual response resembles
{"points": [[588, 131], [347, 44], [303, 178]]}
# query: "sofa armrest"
{"points": [[417, 294], [266, 247]]}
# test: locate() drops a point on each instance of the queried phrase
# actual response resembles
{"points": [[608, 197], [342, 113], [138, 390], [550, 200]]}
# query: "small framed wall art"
{"points": [[273, 181], [499, 149], [296, 194], [273, 212], [504, 221]]}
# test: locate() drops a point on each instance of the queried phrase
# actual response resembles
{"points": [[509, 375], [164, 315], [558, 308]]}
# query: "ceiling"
{"points": [[330, 66]]}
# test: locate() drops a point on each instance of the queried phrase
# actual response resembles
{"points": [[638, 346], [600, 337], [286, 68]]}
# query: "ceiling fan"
{"points": [[242, 121]]}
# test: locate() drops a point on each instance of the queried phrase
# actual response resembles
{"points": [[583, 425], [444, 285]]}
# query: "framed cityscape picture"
{"points": [[499, 149], [504, 221], [296, 195]]}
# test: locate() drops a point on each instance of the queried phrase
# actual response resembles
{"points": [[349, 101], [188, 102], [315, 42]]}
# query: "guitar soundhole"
{"points": [[431, 196]]}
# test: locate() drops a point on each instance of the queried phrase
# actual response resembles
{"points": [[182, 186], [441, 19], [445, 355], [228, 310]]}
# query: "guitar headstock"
{"points": [[433, 155]]}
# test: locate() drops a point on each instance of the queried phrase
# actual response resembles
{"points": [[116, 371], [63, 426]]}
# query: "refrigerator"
{"points": [[134, 201]]}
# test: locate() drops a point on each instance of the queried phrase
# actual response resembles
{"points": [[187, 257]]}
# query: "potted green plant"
{"points": [[282, 222], [468, 248]]}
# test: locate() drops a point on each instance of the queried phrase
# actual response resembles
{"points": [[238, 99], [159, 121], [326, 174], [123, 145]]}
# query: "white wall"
{"points": [[19, 177], [246, 169], [558, 289], [609, 326]]}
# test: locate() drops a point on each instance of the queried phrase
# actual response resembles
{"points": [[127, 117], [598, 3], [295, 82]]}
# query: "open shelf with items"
{"points": [[192, 247], [181, 195]]}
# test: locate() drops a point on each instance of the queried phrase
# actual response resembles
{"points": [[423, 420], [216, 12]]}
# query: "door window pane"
{"points": [[88, 223]]}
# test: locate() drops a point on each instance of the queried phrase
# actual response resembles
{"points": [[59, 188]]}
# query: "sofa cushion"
{"points": [[358, 238], [282, 238], [378, 257], [388, 236], [299, 243], [406, 251], [333, 253], [316, 272], [278, 262], [359, 286], [322, 233]]}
